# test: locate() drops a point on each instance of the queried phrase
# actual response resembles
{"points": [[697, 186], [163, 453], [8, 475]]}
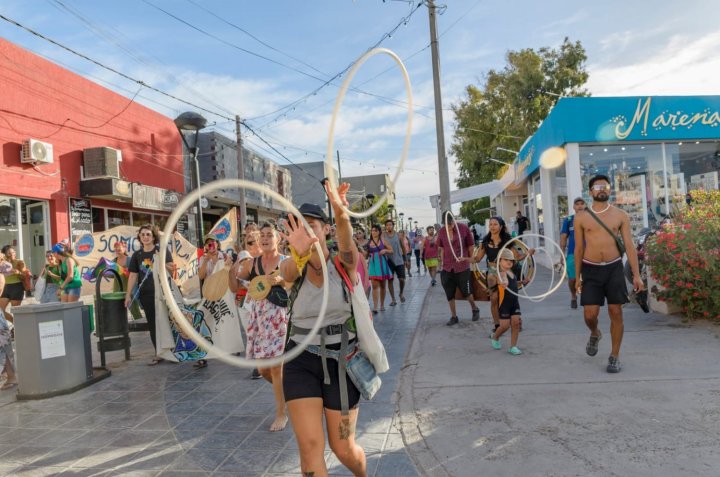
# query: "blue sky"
{"points": [[663, 47]]}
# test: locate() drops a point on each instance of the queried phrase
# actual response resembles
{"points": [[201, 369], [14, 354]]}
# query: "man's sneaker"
{"points": [[515, 351], [476, 314], [495, 344], [433, 283], [573, 304], [255, 374], [613, 365], [453, 321], [592, 345]]}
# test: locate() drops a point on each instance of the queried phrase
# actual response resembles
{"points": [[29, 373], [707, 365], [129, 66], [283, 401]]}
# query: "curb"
{"points": [[417, 448]]}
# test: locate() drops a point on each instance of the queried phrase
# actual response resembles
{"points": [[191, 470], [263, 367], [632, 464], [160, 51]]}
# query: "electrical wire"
{"points": [[403, 21], [111, 69]]}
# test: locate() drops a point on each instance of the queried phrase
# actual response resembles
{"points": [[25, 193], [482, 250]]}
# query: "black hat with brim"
{"points": [[314, 211]]}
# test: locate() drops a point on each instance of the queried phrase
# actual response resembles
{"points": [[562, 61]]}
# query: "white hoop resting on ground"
{"points": [[213, 351]]}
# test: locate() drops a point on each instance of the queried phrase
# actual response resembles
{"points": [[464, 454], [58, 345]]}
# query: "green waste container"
{"points": [[114, 314], [91, 316]]}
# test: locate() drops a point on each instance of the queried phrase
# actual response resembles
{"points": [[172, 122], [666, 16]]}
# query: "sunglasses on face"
{"points": [[601, 187]]}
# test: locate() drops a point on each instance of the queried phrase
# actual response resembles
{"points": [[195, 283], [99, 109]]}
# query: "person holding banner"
{"points": [[123, 260], [267, 328], [141, 266]]}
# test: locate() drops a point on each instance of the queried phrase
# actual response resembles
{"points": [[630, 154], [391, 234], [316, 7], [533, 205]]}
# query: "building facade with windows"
{"points": [[654, 149], [218, 159], [77, 158]]}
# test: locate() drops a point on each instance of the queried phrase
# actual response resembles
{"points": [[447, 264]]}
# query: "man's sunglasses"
{"points": [[601, 187]]}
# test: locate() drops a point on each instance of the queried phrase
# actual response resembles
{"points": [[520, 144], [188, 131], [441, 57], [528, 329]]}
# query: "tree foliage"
{"points": [[508, 108]]}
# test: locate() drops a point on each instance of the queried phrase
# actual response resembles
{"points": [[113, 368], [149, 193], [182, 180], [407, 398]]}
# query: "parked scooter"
{"points": [[641, 239]]}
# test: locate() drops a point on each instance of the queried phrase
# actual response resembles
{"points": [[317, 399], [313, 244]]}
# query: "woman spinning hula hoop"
{"points": [[491, 244], [307, 395]]}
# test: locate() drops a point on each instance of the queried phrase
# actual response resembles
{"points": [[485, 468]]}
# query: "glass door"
{"points": [[35, 235]]}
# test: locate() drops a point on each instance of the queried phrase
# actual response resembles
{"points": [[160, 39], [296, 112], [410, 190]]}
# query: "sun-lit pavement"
{"points": [[469, 410], [173, 420]]}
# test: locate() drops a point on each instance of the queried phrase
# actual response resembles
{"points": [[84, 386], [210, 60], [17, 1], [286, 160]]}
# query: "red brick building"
{"points": [[59, 115]]}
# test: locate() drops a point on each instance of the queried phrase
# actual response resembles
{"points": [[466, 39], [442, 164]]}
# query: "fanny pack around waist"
{"points": [[352, 362]]}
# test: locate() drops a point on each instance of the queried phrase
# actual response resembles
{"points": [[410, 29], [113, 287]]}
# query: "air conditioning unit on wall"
{"points": [[36, 152], [101, 162]]}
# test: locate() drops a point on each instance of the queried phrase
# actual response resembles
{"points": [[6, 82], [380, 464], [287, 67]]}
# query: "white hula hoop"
{"points": [[552, 288], [175, 311], [331, 139], [457, 231]]}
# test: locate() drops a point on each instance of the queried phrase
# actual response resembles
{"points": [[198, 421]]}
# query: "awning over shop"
{"points": [[487, 189]]}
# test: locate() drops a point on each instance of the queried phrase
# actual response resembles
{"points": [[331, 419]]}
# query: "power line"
{"points": [[403, 21], [113, 70], [287, 55]]}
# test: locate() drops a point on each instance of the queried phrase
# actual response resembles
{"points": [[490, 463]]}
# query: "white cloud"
{"points": [[683, 67]]}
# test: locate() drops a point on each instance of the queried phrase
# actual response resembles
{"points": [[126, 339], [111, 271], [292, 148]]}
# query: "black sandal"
{"points": [[202, 363]]}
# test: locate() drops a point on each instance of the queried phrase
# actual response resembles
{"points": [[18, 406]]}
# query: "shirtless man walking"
{"points": [[599, 267]]}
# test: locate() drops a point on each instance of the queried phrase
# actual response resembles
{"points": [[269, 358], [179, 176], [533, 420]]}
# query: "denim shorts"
{"points": [[71, 291]]}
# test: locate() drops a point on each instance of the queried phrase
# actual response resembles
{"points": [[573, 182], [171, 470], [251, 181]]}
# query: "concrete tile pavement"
{"points": [[173, 420], [468, 410]]}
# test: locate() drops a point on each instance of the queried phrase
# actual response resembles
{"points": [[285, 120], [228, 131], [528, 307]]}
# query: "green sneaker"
{"points": [[495, 344], [515, 351]]}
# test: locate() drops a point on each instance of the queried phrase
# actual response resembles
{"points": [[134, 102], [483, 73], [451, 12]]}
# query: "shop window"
{"points": [[9, 233], [160, 221], [118, 217], [636, 173], [140, 218], [692, 165], [98, 217]]}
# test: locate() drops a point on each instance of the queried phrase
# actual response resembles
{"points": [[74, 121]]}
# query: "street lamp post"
{"points": [[191, 122], [409, 223], [402, 216]]}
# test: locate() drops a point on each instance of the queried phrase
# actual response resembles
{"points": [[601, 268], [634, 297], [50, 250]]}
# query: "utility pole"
{"points": [[241, 175], [442, 159], [339, 171]]}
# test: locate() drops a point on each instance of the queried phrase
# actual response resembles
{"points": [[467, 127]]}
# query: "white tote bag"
{"points": [[368, 339]]}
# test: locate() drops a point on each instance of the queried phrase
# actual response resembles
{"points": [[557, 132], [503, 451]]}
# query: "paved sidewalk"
{"points": [[172, 420], [468, 410]]}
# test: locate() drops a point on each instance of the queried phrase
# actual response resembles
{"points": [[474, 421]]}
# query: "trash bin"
{"points": [[111, 318], [53, 349]]}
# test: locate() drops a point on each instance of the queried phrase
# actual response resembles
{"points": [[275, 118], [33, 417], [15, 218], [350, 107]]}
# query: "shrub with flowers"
{"points": [[684, 258]]}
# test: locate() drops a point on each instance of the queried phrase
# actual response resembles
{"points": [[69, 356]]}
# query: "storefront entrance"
{"points": [[24, 224]]}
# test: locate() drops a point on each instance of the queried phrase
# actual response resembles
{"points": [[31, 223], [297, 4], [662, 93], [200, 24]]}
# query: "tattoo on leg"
{"points": [[346, 429]]}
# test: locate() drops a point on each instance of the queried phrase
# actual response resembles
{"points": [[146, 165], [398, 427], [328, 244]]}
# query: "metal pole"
{"points": [[242, 205], [442, 159], [199, 203], [339, 171]]}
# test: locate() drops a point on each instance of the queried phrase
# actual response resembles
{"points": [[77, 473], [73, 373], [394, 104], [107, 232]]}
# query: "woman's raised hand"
{"points": [[296, 235], [342, 191]]}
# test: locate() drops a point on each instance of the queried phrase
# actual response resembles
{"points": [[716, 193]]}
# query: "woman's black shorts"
{"points": [[14, 291], [303, 378], [603, 281]]}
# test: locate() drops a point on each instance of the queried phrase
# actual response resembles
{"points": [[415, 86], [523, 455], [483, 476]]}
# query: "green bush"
{"points": [[685, 258]]}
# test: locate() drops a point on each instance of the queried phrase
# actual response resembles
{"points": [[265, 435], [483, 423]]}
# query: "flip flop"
{"points": [[393, 303], [382, 309], [402, 299], [155, 361], [201, 363]]}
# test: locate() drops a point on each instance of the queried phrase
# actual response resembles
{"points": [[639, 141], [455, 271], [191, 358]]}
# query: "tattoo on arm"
{"points": [[346, 429], [346, 257]]}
